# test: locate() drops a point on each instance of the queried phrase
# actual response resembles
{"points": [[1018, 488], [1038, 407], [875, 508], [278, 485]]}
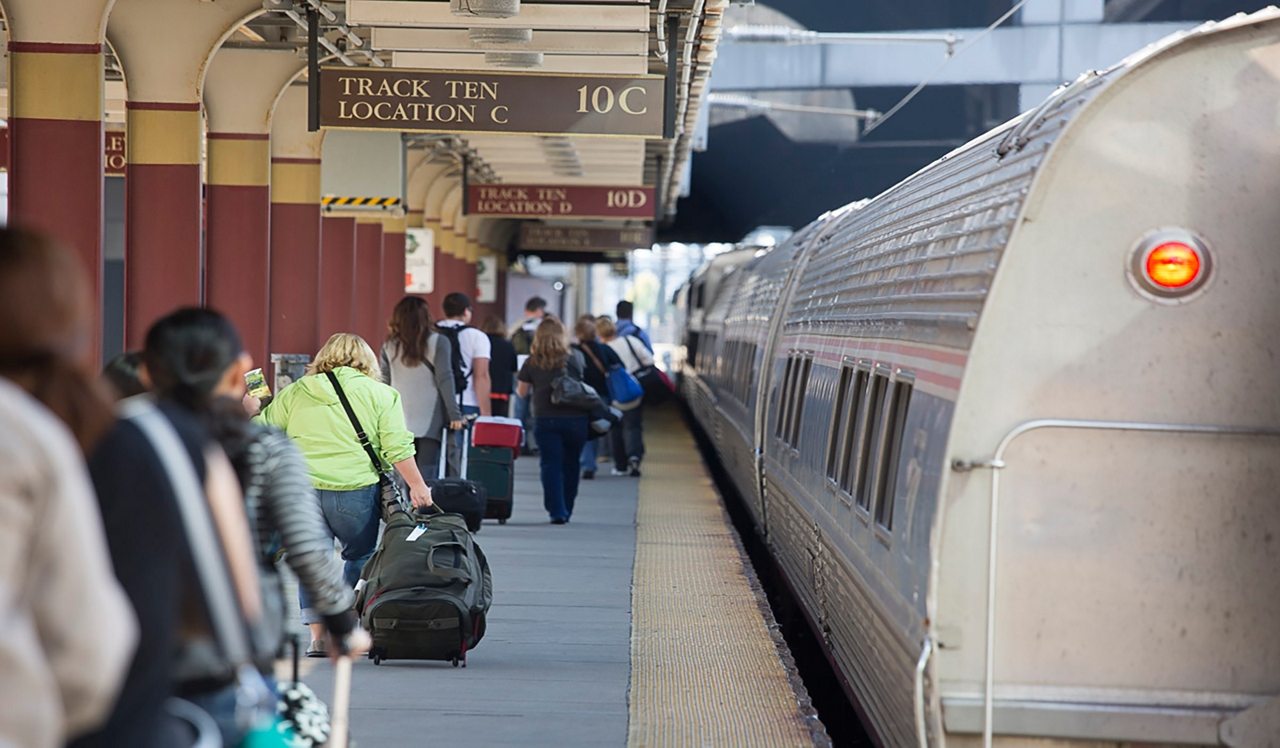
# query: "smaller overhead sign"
{"points": [[514, 103], [559, 201], [535, 237]]}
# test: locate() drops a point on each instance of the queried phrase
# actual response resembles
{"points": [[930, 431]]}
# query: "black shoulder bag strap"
{"points": [[351, 414]]}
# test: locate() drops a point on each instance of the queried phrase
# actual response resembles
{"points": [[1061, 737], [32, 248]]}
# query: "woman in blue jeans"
{"points": [[561, 430]]}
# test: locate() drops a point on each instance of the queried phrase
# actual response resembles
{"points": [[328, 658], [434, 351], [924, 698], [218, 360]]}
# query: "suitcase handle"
{"points": [[468, 423], [448, 572]]}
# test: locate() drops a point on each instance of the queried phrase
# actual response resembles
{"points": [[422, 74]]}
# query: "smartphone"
{"points": [[256, 381]]}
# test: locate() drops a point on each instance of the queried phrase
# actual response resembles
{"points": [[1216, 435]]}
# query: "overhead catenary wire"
{"points": [[871, 126]]}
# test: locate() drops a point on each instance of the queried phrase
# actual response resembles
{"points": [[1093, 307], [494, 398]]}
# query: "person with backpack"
{"points": [[471, 353], [627, 328], [418, 362], [502, 365], [599, 358], [628, 438], [562, 428]]}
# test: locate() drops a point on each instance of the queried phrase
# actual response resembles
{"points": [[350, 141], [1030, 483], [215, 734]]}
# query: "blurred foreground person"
{"points": [[310, 411], [66, 630], [195, 359]]}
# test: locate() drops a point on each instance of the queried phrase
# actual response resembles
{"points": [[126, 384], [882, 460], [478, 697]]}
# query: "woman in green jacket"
{"points": [[310, 412]]}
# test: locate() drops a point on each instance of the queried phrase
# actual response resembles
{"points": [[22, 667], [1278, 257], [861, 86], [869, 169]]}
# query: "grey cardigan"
{"points": [[424, 389]]}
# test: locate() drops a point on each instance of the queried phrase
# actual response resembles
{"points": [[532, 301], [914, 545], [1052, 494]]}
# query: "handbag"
{"points": [[573, 392], [624, 390], [656, 384], [391, 495]]}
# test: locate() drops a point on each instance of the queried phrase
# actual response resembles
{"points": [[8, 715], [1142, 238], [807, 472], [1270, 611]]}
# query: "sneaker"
{"points": [[588, 475], [635, 467], [317, 648], [558, 521], [616, 471]]}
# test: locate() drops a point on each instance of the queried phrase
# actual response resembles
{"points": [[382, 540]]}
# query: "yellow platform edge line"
{"points": [[705, 670]]}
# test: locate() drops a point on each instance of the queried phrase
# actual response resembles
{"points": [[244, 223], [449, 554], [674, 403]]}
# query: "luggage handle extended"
{"points": [[444, 572], [468, 424]]}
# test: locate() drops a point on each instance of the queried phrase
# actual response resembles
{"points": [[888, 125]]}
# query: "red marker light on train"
{"points": [[1173, 265], [1169, 265]]}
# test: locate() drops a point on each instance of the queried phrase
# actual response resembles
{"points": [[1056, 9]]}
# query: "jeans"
{"points": [[628, 438], [352, 517], [560, 442], [589, 452]]}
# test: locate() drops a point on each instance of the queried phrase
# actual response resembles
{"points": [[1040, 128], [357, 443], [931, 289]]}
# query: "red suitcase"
{"points": [[495, 431]]}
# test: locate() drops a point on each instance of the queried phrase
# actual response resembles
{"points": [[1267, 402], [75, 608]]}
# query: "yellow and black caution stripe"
{"points": [[330, 201]]}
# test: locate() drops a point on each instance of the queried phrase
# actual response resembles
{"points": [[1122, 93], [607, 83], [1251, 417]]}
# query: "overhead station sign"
{"points": [[559, 201], [514, 103], [538, 238]]}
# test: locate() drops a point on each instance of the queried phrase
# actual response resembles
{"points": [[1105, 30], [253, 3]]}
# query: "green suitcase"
{"points": [[494, 468]]}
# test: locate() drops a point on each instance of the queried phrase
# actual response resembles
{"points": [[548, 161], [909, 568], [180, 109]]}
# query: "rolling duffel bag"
{"points": [[458, 495], [425, 592], [494, 469]]}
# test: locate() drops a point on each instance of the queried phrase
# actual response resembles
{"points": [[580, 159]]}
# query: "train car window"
{"points": [[691, 354], [850, 450], [784, 398], [802, 390], [870, 433], [895, 421], [839, 423]]}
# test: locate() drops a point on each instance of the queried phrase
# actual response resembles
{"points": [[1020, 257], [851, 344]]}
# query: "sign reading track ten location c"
{"points": [[516, 103]]}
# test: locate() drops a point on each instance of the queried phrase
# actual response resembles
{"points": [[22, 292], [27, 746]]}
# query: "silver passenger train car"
{"points": [[1012, 429]]}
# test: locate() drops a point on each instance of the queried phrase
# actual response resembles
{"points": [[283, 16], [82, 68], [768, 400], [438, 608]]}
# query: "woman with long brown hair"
{"points": [[417, 362], [561, 430]]}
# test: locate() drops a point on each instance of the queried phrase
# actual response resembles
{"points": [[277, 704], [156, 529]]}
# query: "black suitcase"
{"points": [[458, 495], [494, 469]]}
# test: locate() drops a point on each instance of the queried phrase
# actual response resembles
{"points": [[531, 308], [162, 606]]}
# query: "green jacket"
{"points": [[309, 411]]}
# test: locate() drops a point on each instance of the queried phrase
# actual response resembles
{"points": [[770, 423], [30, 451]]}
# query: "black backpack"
{"points": [[460, 375]]}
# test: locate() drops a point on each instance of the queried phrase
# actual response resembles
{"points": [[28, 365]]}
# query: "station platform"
{"points": [[637, 624]]}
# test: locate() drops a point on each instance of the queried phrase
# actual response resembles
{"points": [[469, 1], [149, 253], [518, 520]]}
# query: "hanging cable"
{"points": [[871, 126]]}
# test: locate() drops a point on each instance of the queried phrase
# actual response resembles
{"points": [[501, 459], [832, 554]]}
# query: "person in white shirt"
{"points": [[628, 437], [475, 348]]}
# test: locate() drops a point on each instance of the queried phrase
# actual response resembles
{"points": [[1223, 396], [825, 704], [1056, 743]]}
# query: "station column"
{"points": [[393, 280], [164, 48], [368, 300], [336, 312], [55, 127], [241, 89], [295, 226]]}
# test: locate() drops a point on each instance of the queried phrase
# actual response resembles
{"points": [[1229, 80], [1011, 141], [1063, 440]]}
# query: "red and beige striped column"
{"points": [[237, 249], [55, 169], [240, 93], [295, 227], [165, 48], [422, 176], [368, 299], [163, 213], [336, 312], [434, 211], [393, 280]]}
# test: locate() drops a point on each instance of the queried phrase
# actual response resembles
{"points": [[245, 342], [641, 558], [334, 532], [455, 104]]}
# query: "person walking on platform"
{"points": [[195, 359], [521, 339], [561, 429], [67, 633], [502, 365], [310, 411], [471, 353], [418, 362], [598, 357], [628, 437], [627, 328]]}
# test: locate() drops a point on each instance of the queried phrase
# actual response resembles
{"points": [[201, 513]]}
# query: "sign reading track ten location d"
{"points": [[516, 103]]}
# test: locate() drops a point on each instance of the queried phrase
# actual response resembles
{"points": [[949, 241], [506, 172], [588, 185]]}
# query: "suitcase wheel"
{"points": [[455, 662], [502, 522]]}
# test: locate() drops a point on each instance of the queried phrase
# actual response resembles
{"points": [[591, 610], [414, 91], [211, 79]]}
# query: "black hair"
{"points": [[187, 353], [625, 309], [456, 304], [535, 303]]}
